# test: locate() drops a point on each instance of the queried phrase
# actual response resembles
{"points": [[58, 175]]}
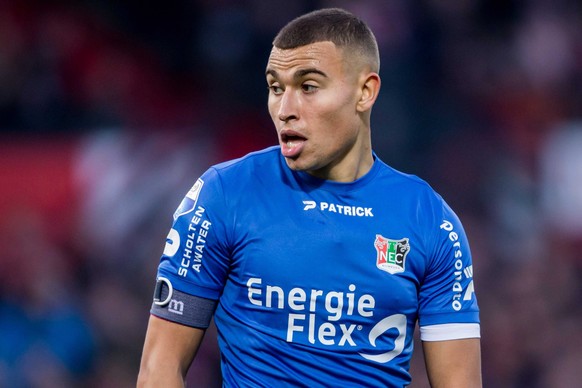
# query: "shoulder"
{"points": [[415, 196], [253, 160], [238, 174], [406, 183]]}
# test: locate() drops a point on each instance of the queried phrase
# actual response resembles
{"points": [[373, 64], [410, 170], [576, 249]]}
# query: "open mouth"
{"points": [[292, 143], [290, 136]]}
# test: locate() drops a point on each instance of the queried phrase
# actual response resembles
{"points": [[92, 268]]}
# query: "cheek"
{"points": [[327, 107], [336, 116]]}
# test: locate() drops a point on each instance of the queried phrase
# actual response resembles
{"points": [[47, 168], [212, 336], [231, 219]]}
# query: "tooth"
{"points": [[289, 144]]}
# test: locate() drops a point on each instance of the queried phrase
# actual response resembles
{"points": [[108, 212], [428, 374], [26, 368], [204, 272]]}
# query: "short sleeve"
{"points": [[447, 293], [196, 253]]}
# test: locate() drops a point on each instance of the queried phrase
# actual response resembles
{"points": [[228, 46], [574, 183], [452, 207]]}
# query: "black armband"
{"points": [[179, 307]]}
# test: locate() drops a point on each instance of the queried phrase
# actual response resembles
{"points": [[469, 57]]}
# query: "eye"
{"points": [[275, 89], [308, 88]]}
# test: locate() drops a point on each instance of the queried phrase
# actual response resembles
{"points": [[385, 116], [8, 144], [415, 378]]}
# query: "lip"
{"points": [[287, 134], [292, 142]]}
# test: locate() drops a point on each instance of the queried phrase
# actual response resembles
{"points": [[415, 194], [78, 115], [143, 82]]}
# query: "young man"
{"points": [[315, 258]]}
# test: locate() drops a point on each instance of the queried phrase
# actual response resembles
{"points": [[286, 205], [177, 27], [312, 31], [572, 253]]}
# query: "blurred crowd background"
{"points": [[110, 110]]}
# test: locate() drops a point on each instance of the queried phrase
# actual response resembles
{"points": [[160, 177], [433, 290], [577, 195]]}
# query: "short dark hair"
{"points": [[336, 25]]}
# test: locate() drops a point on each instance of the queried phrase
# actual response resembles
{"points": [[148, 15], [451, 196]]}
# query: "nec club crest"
{"points": [[391, 254]]}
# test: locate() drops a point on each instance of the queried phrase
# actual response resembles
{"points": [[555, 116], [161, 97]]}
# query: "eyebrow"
{"points": [[299, 73]]}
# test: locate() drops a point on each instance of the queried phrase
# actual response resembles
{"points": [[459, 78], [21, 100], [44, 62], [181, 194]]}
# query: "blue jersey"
{"points": [[320, 283]]}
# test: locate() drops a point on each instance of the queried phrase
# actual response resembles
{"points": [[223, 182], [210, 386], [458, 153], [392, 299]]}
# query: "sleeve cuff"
{"points": [[450, 331]]}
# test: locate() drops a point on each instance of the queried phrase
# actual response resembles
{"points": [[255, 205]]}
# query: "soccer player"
{"points": [[315, 258]]}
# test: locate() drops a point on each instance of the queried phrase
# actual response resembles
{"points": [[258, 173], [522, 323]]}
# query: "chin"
{"points": [[292, 164], [296, 165]]}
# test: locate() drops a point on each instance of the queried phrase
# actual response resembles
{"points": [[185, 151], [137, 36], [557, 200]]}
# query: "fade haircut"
{"points": [[335, 25]]}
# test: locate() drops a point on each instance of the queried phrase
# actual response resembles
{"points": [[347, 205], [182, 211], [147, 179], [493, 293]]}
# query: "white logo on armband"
{"points": [[158, 291]]}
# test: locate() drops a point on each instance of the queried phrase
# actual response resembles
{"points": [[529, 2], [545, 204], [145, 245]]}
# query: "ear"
{"points": [[369, 89]]}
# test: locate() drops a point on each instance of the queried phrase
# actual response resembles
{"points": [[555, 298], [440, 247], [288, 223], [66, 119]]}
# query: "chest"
{"points": [[344, 256]]}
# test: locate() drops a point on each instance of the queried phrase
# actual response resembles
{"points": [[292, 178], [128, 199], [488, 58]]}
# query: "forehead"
{"points": [[319, 55]]}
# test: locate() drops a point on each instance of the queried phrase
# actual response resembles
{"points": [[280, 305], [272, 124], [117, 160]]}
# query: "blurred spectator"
{"points": [[560, 178], [47, 338]]}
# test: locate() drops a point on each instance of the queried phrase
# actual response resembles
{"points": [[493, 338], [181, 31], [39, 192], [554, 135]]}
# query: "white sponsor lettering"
{"points": [[304, 303], [306, 322], [195, 243], [346, 210], [459, 270]]}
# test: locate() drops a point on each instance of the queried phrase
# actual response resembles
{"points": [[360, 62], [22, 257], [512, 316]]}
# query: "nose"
{"points": [[288, 106]]}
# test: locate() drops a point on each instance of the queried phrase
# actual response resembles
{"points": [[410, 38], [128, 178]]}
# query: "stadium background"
{"points": [[110, 110]]}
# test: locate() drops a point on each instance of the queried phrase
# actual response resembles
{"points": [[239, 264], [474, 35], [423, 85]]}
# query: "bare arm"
{"points": [[454, 363], [168, 351]]}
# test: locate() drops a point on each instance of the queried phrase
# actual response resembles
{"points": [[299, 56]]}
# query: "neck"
{"points": [[348, 169]]}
